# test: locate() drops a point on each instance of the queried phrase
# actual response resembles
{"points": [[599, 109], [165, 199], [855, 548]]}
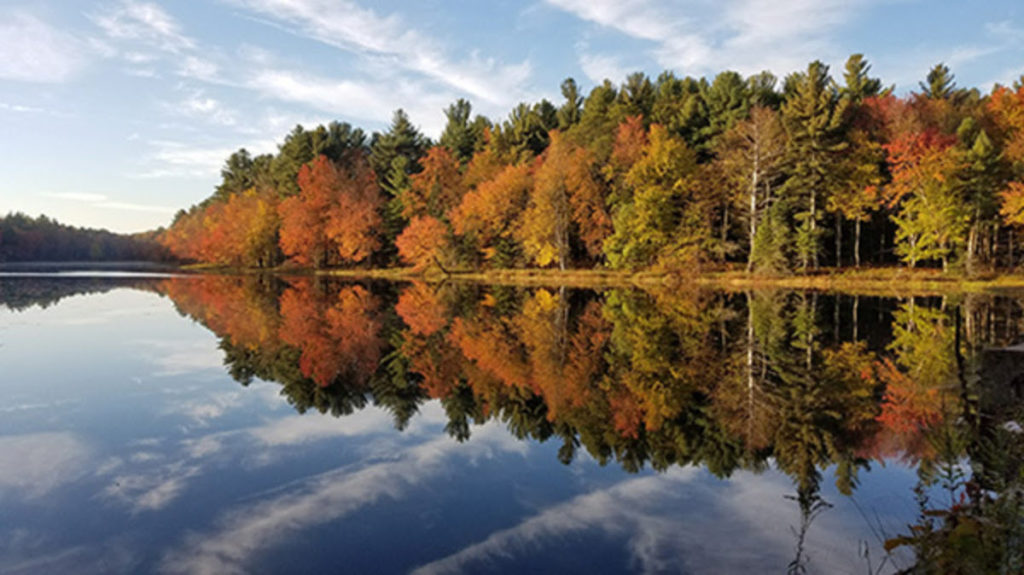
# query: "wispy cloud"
{"points": [[145, 23], [34, 51], [23, 109], [245, 531], [365, 100], [744, 35], [197, 104], [151, 491], [682, 521], [34, 464], [599, 67], [350, 27], [909, 66], [180, 159], [103, 201], [76, 196], [152, 43]]}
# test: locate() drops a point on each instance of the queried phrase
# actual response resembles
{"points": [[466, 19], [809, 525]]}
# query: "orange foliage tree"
{"points": [[567, 204], [489, 212], [437, 188], [423, 242], [335, 217]]}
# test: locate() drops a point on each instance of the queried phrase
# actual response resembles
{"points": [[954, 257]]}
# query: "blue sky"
{"points": [[117, 113]]}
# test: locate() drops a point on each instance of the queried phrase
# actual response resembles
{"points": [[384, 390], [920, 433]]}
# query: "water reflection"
{"points": [[893, 423], [727, 381]]}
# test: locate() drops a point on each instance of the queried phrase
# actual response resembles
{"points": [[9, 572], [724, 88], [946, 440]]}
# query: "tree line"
{"points": [[43, 239], [666, 173]]}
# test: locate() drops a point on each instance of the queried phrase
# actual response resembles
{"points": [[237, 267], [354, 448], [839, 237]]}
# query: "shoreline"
{"points": [[882, 281], [866, 281]]}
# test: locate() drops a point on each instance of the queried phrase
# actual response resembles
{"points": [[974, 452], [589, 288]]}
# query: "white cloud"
{"points": [[685, 521], [151, 491], [77, 197], [145, 23], [177, 357], [198, 105], [148, 73], [199, 69], [179, 159], [22, 109], [307, 428], [600, 68], [34, 51], [250, 529], [33, 465], [103, 201], [745, 35], [644, 19], [139, 57], [350, 27], [373, 101], [134, 207]]}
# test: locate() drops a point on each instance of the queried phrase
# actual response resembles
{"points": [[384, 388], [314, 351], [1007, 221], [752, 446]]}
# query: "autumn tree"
{"points": [[489, 213], [336, 215], [662, 221], [751, 155], [423, 243], [565, 205], [302, 146], [931, 220], [436, 189]]}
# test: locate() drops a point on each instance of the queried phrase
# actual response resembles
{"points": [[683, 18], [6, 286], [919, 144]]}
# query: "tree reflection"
{"points": [[727, 381]]}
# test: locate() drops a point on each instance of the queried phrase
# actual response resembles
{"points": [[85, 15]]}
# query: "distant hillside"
{"points": [[41, 239]]}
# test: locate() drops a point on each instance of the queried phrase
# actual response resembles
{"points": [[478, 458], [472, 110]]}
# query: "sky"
{"points": [[116, 114]]}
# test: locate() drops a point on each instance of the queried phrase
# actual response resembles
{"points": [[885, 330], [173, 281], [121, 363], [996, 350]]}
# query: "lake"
{"points": [[256, 424]]}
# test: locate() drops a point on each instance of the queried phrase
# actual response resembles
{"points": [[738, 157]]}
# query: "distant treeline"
{"points": [[669, 173], [41, 239]]}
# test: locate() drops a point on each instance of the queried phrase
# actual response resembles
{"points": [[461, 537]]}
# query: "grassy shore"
{"points": [[886, 281]]}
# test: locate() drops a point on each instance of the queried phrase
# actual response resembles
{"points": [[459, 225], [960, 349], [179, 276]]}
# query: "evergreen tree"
{"points": [[636, 96], [858, 84], [939, 84], [400, 139], [462, 136], [571, 111], [813, 117], [679, 106], [728, 101], [395, 155]]}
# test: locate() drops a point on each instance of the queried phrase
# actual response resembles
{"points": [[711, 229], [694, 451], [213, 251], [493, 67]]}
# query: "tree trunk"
{"points": [[856, 312], [839, 240], [972, 244], [725, 229], [753, 216], [750, 367], [1010, 249], [856, 244], [835, 318], [814, 230]]}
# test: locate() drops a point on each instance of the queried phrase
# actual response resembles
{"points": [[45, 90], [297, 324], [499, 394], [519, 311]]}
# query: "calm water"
{"points": [[257, 425]]}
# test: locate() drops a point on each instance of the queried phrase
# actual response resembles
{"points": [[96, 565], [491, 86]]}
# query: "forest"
{"points": [[654, 174], [42, 239]]}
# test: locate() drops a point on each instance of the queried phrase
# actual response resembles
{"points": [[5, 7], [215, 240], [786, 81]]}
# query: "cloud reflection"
{"points": [[32, 465], [244, 532], [673, 522]]}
